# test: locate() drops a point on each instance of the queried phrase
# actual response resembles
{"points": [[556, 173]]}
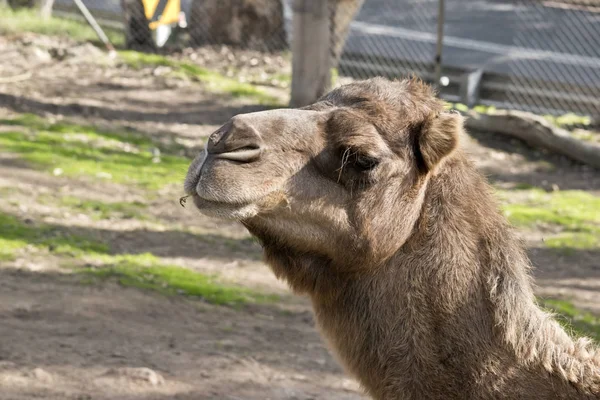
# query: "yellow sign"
{"points": [[162, 12]]}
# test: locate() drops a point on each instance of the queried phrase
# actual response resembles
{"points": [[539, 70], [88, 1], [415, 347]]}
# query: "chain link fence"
{"points": [[534, 55], [540, 56], [557, 65], [392, 39], [256, 25]]}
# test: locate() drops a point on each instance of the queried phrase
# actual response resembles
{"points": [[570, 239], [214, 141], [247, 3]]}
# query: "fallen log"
{"points": [[537, 132]]}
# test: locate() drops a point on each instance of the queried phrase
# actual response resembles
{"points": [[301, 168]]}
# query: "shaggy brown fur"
{"points": [[366, 202]]}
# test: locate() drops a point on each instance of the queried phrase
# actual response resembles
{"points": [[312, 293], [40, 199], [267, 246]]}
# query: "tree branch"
{"points": [[537, 132]]}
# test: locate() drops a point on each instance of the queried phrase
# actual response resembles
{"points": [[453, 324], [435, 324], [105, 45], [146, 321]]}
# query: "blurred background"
{"points": [[110, 289]]}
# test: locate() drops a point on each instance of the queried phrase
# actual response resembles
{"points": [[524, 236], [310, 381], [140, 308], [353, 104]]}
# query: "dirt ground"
{"points": [[60, 339]]}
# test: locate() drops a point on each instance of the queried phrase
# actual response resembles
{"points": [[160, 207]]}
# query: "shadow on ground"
{"points": [[209, 111], [163, 243], [566, 262]]}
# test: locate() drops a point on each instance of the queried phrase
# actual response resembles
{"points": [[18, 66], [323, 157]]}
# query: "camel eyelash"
{"points": [[357, 159], [365, 163], [354, 160]]}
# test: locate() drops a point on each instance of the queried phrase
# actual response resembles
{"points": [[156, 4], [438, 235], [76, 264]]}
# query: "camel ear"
{"points": [[438, 139]]}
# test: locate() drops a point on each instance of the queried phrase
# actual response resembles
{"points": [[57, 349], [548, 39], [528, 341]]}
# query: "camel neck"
{"points": [[485, 268]]}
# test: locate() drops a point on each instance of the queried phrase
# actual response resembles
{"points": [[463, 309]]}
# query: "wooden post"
{"points": [[344, 12], [311, 59], [45, 7]]}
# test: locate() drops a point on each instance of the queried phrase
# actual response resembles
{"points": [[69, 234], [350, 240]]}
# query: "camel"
{"points": [[366, 202]]}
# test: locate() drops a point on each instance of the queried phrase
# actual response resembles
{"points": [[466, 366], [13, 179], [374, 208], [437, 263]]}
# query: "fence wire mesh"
{"points": [[535, 55], [391, 38], [557, 66]]}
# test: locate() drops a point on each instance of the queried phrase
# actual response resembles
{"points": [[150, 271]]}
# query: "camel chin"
{"points": [[228, 211]]}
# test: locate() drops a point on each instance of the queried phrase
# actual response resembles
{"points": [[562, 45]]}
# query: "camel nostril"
{"points": [[242, 154], [238, 140]]}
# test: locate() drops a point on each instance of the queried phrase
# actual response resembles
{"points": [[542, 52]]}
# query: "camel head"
{"points": [[341, 179]]}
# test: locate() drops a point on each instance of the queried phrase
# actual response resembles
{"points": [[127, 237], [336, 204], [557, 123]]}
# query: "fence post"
{"points": [[311, 69], [440, 42], [45, 7]]}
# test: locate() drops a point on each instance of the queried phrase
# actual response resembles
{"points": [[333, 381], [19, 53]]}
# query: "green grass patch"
{"points": [[585, 135], [105, 210], [523, 186], [9, 247], [143, 271], [16, 235], [283, 77], [214, 81], [146, 272], [569, 120], [574, 320], [24, 20], [76, 150], [335, 76], [36, 123], [566, 121], [569, 242], [575, 213]]}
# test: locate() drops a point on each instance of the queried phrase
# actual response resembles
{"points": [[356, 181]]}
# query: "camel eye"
{"points": [[365, 163]]}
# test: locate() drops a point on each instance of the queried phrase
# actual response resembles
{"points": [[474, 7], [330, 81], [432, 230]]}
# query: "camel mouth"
{"points": [[223, 209]]}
